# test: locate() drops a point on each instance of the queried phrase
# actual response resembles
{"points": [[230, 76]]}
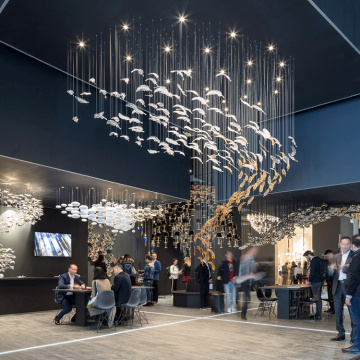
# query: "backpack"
{"points": [[324, 269], [167, 271]]}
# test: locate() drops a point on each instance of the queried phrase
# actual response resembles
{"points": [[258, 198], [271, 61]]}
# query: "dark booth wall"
{"points": [[36, 125], [22, 241]]}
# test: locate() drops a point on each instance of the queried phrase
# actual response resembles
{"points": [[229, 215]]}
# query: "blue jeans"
{"points": [[355, 317], [230, 288], [318, 303], [67, 303], [148, 291]]}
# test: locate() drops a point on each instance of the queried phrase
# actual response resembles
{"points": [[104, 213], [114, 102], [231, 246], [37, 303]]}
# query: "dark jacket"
{"points": [[148, 272], [129, 267], [186, 269], [203, 273], [315, 271], [121, 288], [224, 270], [64, 283], [157, 269], [335, 273], [353, 285]]}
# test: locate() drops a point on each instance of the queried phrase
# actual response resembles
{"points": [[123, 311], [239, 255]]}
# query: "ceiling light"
{"points": [[245, 96], [248, 81], [259, 103], [182, 19], [207, 50], [232, 34], [249, 62], [128, 58], [81, 44], [207, 89], [168, 81], [278, 79], [126, 27], [271, 48], [282, 64], [276, 91], [167, 48]]}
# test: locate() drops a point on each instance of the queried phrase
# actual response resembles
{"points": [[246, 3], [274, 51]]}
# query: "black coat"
{"points": [[224, 270], [121, 288], [315, 271], [203, 273], [353, 285]]}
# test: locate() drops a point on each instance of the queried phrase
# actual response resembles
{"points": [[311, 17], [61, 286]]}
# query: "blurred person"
{"points": [[285, 273], [353, 295], [226, 273], [174, 275], [121, 287], [329, 255], [298, 273], [148, 279], [247, 267], [129, 268], [339, 269], [68, 281], [292, 272], [99, 284], [157, 270], [315, 280], [186, 270], [203, 276]]}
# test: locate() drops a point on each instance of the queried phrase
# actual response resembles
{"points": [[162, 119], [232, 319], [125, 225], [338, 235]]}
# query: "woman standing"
{"points": [[298, 274], [174, 275], [129, 268], [186, 270]]}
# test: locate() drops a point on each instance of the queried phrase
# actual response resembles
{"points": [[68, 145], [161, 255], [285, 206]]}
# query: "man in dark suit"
{"points": [[339, 270], [353, 296], [69, 281], [121, 287], [203, 276]]}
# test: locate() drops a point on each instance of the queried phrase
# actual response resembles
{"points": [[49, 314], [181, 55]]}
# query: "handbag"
{"points": [[93, 299]]}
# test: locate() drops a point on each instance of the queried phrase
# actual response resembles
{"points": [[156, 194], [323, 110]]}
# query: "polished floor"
{"points": [[173, 333]]}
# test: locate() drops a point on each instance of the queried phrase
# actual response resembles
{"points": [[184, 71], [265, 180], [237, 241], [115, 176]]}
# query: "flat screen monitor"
{"points": [[52, 244]]}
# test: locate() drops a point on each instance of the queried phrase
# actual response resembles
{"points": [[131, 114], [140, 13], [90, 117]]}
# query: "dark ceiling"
{"points": [[327, 68], [45, 183]]}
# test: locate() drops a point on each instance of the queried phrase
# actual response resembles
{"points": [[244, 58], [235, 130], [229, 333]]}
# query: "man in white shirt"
{"points": [[69, 281], [339, 270]]}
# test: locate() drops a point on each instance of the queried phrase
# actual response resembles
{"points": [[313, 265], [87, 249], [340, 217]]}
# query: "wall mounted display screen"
{"points": [[52, 244]]}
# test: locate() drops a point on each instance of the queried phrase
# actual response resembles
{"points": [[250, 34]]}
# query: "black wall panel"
{"points": [[22, 241]]}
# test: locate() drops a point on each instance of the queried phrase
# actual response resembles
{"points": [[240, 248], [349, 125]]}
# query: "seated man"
{"points": [[121, 288], [68, 280]]}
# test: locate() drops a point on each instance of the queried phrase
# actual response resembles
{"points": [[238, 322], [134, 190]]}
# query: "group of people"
{"points": [[231, 273], [174, 272], [343, 282], [70, 281], [124, 271], [293, 273]]}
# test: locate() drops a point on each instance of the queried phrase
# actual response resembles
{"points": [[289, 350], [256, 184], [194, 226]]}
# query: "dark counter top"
{"points": [[28, 278]]}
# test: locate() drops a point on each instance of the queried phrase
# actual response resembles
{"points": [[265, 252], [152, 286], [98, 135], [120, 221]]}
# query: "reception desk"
{"points": [[19, 295]]}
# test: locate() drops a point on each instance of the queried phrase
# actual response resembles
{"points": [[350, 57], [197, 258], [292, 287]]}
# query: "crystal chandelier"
{"points": [[106, 213], [261, 223], [7, 259], [29, 210]]}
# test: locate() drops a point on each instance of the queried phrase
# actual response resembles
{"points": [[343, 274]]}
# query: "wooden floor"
{"points": [[173, 333]]}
